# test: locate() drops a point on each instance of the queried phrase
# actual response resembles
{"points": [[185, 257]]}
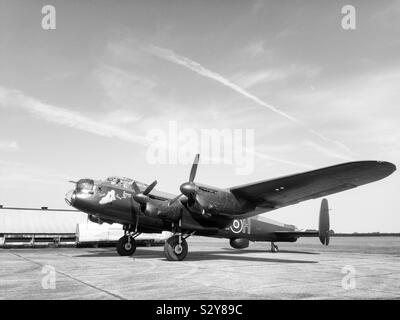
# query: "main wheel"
{"points": [[274, 248], [125, 247], [173, 251]]}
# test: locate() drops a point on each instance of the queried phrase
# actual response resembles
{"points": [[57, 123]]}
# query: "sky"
{"points": [[79, 101]]}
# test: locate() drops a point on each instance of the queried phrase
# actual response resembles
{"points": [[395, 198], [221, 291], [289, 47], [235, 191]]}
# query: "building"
{"points": [[44, 227]]}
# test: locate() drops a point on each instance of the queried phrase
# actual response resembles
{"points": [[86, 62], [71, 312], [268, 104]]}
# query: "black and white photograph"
{"points": [[223, 151]]}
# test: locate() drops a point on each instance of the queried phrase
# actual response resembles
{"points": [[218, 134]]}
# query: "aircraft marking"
{"points": [[239, 226], [108, 198]]}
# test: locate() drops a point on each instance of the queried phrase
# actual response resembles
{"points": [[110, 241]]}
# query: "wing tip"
{"points": [[382, 168], [391, 167], [386, 168]]}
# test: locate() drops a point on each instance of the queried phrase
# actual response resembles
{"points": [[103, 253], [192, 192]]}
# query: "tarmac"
{"points": [[350, 268]]}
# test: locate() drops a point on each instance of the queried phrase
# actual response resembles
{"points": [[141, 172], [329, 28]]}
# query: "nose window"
{"points": [[85, 185]]}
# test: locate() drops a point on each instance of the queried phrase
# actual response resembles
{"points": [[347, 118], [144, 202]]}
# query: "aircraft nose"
{"points": [[70, 198]]}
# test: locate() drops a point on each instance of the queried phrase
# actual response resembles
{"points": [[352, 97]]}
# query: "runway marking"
{"points": [[71, 277]]}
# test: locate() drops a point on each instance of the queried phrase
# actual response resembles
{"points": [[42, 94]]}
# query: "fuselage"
{"points": [[111, 201]]}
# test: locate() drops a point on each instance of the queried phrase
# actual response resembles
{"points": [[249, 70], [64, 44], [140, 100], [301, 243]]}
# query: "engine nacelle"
{"points": [[239, 243], [151, 210]]}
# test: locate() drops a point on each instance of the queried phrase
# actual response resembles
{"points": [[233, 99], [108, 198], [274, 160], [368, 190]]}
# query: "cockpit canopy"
{"points": [[124, 182]]}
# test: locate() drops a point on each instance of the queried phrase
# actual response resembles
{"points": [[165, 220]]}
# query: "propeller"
{"points": [[189, 188], [74, 182], [142, 197]]}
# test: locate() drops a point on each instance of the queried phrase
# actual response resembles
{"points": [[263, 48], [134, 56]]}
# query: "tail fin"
{"points": [[324, 223]]}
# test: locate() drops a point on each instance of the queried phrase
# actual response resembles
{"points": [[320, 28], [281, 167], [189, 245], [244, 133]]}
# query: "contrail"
{"points": [[173, 57], [75, 120], [283, 161], [62, 116]]}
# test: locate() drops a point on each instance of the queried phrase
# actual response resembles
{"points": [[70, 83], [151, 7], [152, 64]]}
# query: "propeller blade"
{"points": [[70, 181], [194, 168], [150, 187], [135, 187]]}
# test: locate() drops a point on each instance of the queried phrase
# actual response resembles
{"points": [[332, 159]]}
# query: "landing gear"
{"points": [[274, 247], [126, 245], [174, 249]]}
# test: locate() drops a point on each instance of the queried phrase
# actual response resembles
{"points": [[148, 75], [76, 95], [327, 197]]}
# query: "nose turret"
{"points": [[84, 190], [85, 186], [70, 198]]}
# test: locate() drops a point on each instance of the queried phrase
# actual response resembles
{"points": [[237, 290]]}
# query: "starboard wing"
{"points": [[284, 191]]}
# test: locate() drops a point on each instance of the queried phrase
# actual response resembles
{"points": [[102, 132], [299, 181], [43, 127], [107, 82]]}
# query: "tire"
{"points": [[171, 249], [274, 248], [124, 248]]}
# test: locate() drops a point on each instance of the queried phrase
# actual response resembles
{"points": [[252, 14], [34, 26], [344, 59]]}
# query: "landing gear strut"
{"points": [[176, 247], [126, 245], [274, 247]]}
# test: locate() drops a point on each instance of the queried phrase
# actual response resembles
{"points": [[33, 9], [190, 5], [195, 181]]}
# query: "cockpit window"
{"points": [[85, 185], [124, 182], [114, 180]]}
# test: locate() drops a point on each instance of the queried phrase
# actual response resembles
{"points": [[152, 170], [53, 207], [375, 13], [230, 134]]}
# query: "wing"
{"points": [[37, 209], [281, 192]]}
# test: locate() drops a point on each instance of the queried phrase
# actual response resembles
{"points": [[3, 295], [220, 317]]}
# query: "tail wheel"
{"points": [[173, 250], [125, 247], [274, 247]]}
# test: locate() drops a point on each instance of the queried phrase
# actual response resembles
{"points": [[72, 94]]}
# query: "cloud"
{"points": [[130, 96], [252, 79], [257, 5], [283, 161], [171, 56], [9, 146], [256, 49], [121, 117], [123, 87], [65, 117], [273, 75], [328, 152], [14, 173], [363, 109]]}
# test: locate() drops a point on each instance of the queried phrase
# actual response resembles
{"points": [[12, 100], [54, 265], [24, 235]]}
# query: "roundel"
{"points": [[237, 226]]}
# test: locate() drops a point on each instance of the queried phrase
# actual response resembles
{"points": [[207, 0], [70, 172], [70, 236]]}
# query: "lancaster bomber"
{"points": [[214, 212]]}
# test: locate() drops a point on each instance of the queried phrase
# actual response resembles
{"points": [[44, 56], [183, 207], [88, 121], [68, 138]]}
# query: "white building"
{"points": [[40, 227]]}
